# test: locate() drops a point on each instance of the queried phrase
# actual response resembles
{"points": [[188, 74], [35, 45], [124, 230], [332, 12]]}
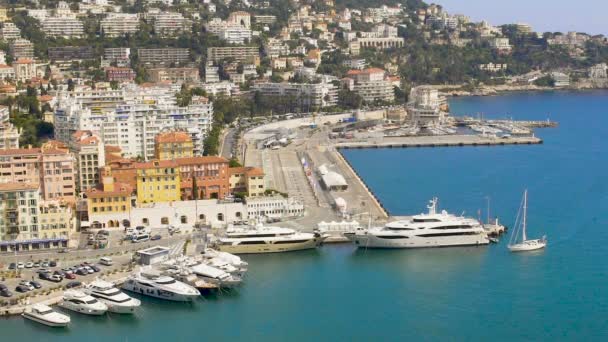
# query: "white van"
{"points": [[140, 238], [106, 261]]}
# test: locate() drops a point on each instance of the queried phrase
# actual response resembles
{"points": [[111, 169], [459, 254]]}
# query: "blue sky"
{"points": [[544, 15]]}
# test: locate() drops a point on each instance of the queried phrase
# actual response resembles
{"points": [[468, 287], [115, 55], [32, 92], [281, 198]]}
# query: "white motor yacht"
{"points": [[216, 276], [153, 284], [83, 303], [234, 260], [116, 300], [225, 266], [261, 239], [45, 315], [424, 230]]}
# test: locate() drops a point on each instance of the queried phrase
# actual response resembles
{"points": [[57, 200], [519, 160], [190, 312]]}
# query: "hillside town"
{"points": [[116, 112]]}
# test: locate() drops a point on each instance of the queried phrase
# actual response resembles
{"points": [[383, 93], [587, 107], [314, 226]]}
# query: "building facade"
{"points": [[173, 145], [248, 180]]}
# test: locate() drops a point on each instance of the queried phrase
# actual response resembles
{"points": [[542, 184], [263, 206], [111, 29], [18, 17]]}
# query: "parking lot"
{"points": [[45, 280]]}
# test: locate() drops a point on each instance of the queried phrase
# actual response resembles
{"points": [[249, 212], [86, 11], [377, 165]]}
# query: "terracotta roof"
{"points": [[45, 98], [247, 170], [200, 160], [155, 164], [169, 137], [18, 186], [112, 148], [20, 151], [371, 70], [119, 189], [24, 61]]}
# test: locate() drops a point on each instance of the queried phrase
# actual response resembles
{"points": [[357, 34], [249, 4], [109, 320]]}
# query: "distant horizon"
{"points": [[542, 15]]}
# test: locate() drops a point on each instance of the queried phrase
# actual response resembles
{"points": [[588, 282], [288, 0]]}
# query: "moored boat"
{"points": [[116, 300], [81, 302], [261, 239], [520, 228], [46, 315]]}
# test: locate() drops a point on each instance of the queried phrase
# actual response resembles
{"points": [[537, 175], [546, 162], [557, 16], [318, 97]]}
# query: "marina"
{"points": [[336, 273]]}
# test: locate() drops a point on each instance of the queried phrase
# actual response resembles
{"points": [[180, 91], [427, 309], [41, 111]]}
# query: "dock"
{"points": [[438, 141]]}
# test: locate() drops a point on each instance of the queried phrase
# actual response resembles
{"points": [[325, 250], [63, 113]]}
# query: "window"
{"points": [[183, 219], [220, 217], [164, 220]]}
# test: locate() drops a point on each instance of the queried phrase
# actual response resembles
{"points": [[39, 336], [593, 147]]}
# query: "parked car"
{"points": [[35, 284], [82, 272], [95, 268], [89, 269], [50, 277], [44, 264], [43, 270], [106, 261], [4, 291], [73, 284], [27, 284], [70, 276], [22, 288], [29, 264], [156, 237], [60, 273], [53, 263], [36, 264]]}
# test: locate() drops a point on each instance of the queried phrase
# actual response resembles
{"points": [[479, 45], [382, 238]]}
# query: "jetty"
{"points": [[438, 141]]}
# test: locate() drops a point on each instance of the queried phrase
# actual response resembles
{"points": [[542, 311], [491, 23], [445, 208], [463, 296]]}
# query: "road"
{"points": [[228, 143]]}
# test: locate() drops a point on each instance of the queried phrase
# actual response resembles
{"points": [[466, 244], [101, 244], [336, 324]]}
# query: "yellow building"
{"points": [[110, 197], [249, 180], [172, 145], [3, 16], [158, 181], [56, 220]]}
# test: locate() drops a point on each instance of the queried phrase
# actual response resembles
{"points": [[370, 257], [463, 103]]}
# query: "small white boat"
{"points": [[152, 283], [45, 315], [216, 276], [525, 244], [81, 302]]}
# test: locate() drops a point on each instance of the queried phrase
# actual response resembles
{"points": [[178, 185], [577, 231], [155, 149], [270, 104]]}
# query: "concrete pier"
{"points": [[438, 141]]}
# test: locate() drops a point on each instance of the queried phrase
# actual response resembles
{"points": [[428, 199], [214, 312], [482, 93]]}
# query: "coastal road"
{"points": [[228, 143]]}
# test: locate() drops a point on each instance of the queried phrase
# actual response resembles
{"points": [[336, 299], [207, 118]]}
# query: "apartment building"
{"points": [[163, 56], [240, 18], [265, 19], [21, 48], [372, 85], [231, 32], [62, 26], [158, 181], [248, 180], [172, 145], [51, 166], [274, 48], [25, 69], [211, 174], [109, 197], [133, 125], [119, 24], [8, 31], [89, 153], [9, 134], [238, 53], [308, 96], [211, 74], [167, 24], [174, 75], [19, 206], [119, 74], [70, 53]]}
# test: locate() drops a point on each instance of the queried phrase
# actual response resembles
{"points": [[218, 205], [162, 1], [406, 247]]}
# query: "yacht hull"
{"points": [[526, 246], [372, 241], [156, 293], [118, 309], [44, 321], [269, 247], [82, 310]]}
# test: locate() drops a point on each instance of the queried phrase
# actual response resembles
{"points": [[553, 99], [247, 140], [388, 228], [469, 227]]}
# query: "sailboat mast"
{"points": [[525, 215]]}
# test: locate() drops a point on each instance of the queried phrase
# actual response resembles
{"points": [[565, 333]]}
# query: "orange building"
{"points": [[211, 173], [173, 145]]}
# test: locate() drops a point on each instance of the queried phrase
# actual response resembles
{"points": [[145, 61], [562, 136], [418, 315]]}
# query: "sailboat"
{"points": [[524, 244]]}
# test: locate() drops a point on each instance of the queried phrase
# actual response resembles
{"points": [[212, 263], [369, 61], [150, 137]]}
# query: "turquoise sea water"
{"points": [[472, 293]]}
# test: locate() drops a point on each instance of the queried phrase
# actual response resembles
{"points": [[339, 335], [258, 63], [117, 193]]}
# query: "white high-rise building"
{"points": [[9, 134], [119, 24], [133, 122], [9, 31], [63, 26]]}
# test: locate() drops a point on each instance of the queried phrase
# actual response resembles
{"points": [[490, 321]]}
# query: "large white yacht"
{"points": [[153, 284], [261, 239], [424, 230], [116, 300], [81, 302]]}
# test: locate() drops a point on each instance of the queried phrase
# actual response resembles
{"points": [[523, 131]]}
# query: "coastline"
{"points": [[456, 91]]}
